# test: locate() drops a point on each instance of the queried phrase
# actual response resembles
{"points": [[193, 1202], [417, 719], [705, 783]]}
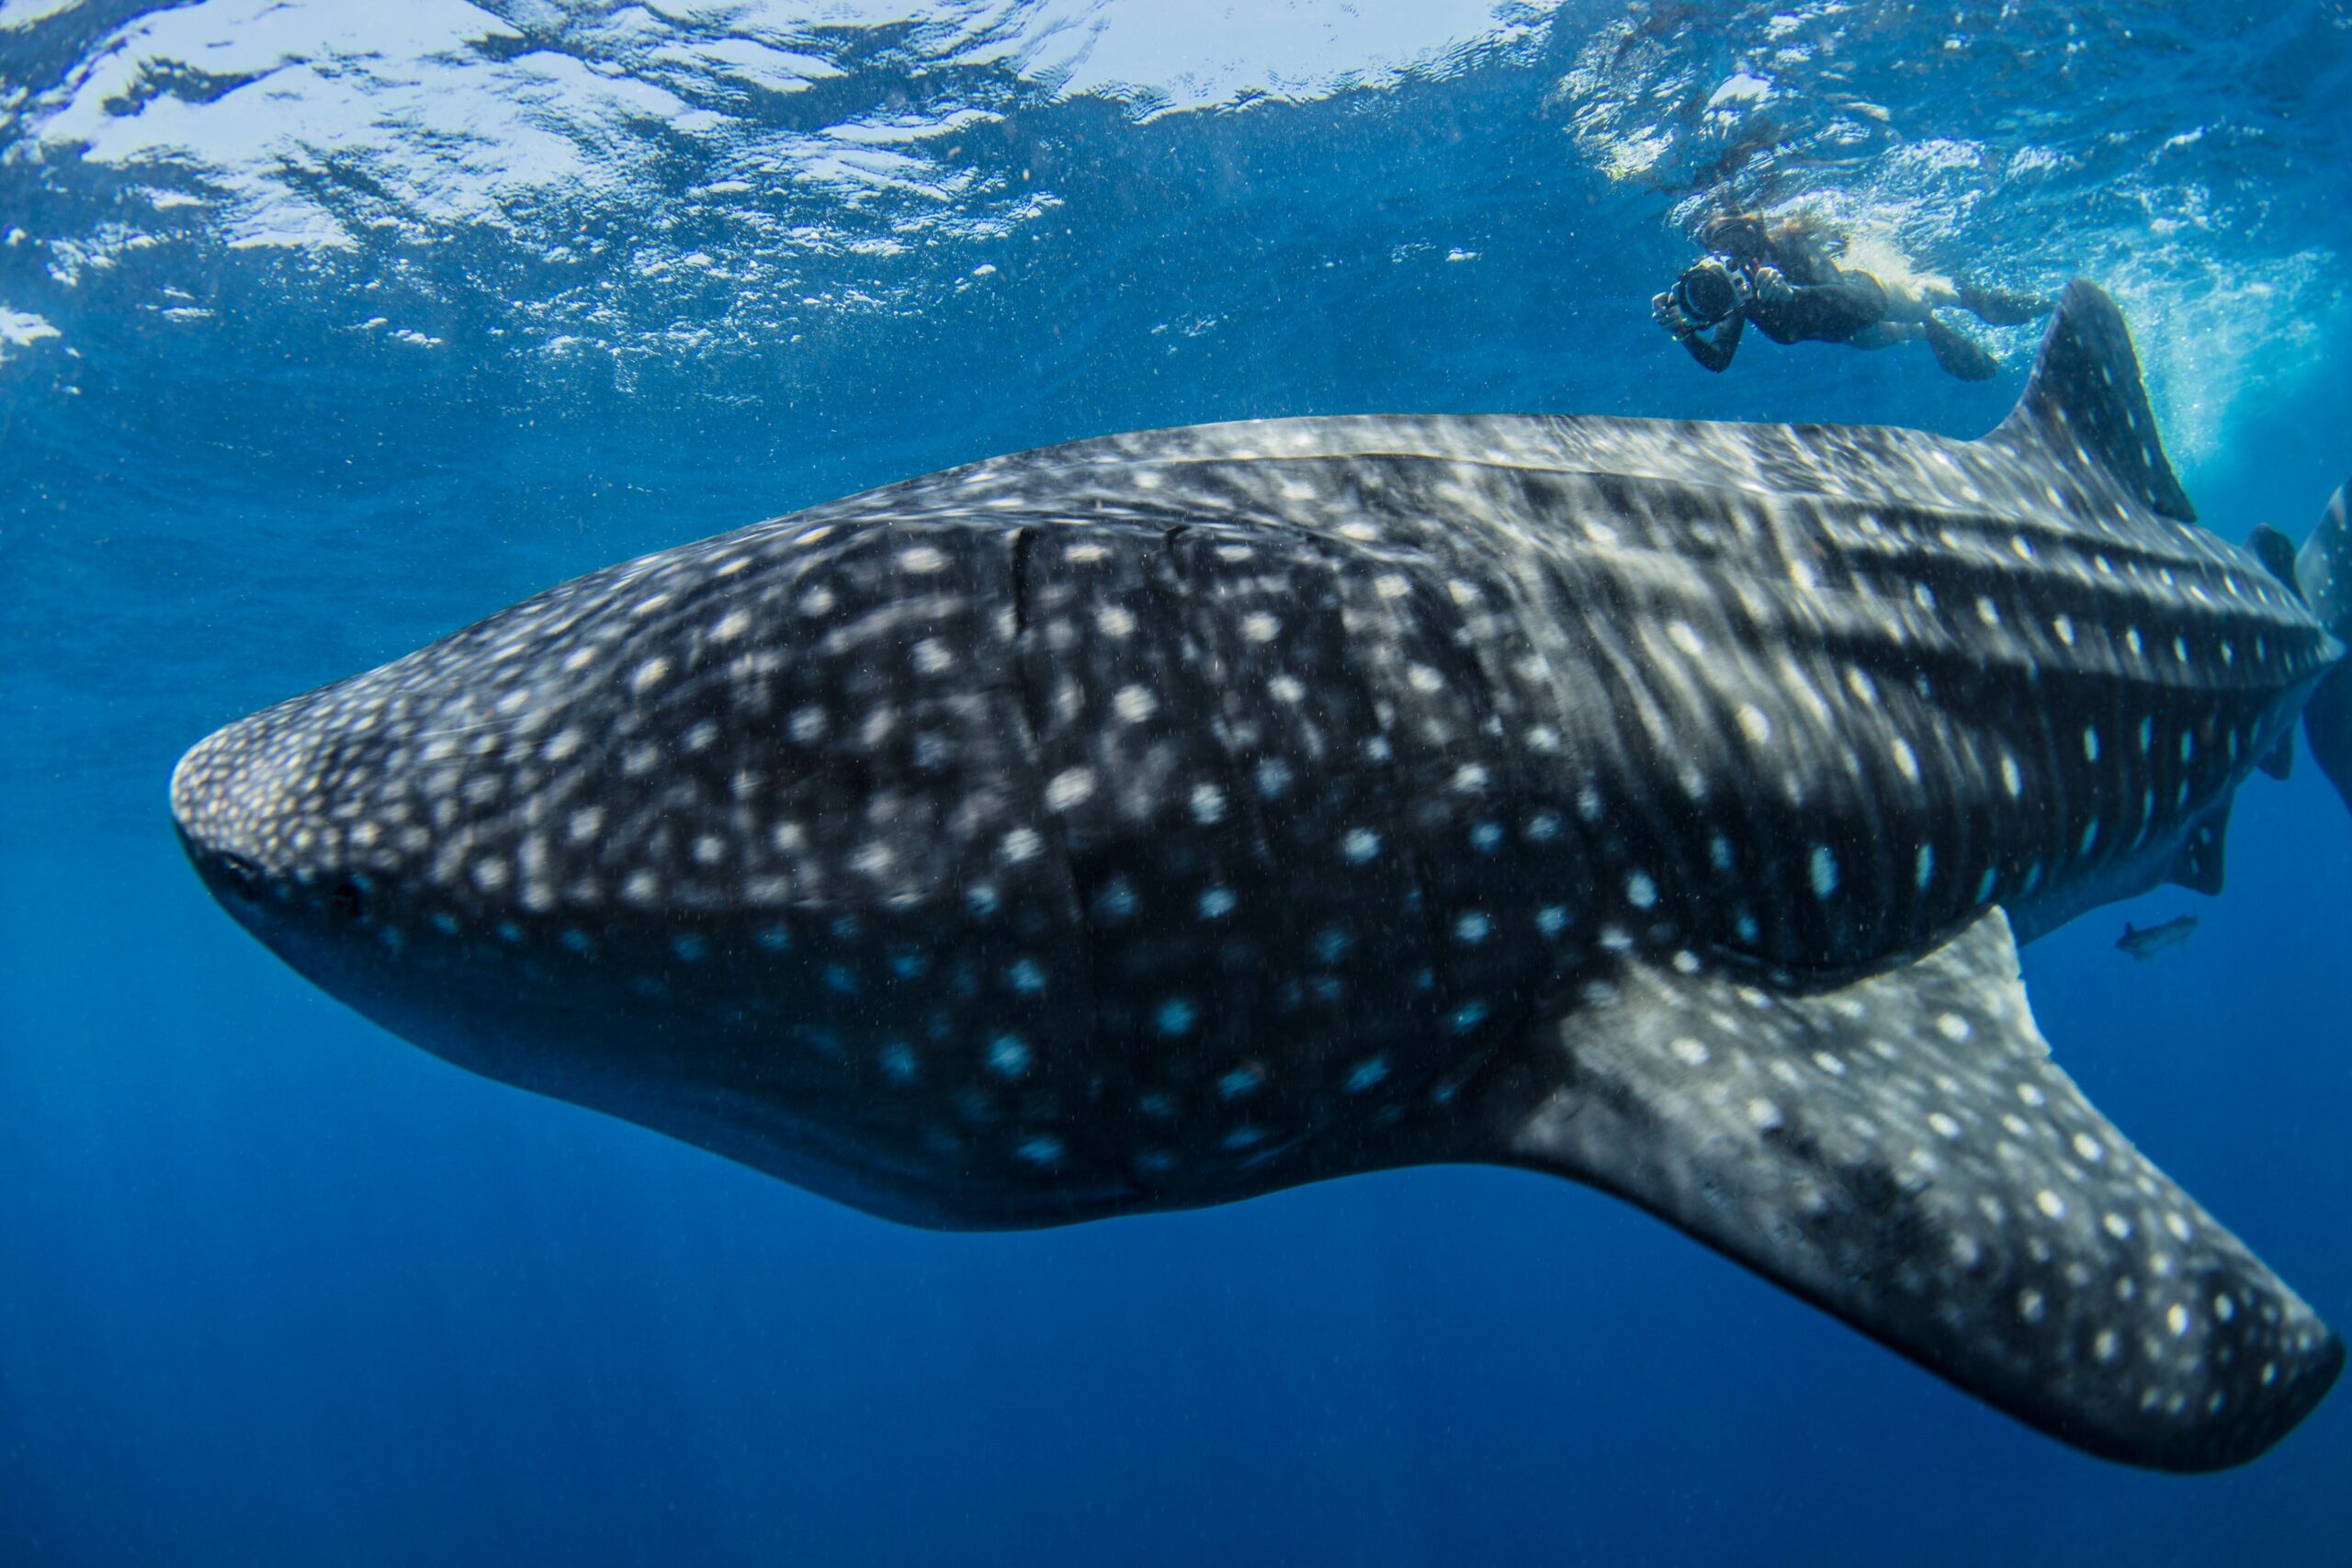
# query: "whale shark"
{"points": [[1162, 819]]}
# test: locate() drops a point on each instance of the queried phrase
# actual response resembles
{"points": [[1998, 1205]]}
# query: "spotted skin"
{"points": [[1161, 820], [1902, 1152]]}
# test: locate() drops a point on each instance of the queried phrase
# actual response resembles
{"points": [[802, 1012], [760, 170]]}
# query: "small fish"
{"points": [[2145, 942]]}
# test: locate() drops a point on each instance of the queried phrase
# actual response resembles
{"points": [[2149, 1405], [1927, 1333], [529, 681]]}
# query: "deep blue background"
{"points": [[276, 1289]]}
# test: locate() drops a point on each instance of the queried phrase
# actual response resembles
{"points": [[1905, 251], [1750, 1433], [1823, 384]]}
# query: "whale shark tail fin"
{"points": [[1901, 1152], [2085, 404], [2324, 572]]}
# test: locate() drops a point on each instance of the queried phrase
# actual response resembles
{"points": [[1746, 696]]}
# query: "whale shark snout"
{"points": [[246, 800]]}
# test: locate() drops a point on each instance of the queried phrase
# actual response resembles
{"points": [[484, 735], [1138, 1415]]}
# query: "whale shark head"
{"points": [[714, 839]]}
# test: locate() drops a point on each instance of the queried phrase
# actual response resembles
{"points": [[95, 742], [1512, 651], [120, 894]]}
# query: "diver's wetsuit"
{"points": [[1831, 311]]}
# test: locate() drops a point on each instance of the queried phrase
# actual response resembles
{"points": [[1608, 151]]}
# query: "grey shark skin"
{"points": [[1159, 820]]}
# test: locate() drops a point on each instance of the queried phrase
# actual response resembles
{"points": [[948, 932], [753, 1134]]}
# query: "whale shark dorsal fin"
{"points": [[1901, 1152], [2084, 402]]}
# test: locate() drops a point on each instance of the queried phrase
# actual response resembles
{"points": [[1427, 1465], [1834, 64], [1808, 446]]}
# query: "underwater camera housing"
{"points": [[1707, 291]]}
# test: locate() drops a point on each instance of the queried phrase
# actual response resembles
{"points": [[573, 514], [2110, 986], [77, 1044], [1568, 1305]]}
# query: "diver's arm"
{"points": [[1769, 284], [1715, 353]]}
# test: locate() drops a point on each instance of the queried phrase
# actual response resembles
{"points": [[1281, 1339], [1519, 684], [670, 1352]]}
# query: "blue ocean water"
{"points": [[325, 329]]}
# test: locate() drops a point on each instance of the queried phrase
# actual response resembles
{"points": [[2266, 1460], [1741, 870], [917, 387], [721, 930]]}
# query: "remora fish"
{"points": [[2145, 942], [1159, 820]]}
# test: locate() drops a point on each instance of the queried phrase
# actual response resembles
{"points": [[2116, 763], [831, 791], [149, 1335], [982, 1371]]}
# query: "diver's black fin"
{"points": [[2197, 866], [1901, 1152], [2002, 306], [1959, 354], [2324, 570], [2084, 403]]}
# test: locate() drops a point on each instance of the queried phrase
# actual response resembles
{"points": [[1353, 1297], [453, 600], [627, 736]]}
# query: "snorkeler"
{"points": [[1786, 279]]}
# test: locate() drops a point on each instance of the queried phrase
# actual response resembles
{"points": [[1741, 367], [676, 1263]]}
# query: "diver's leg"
{"points": [[1913, 302], [1999, 307], [1887, 334]]}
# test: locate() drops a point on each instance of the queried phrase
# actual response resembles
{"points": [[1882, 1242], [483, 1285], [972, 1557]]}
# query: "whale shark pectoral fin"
{"points": [[2277, 554], [1901, 1152], [2085, 404]]}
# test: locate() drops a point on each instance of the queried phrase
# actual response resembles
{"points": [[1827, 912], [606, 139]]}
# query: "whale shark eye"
{"points": [[239, 874], [347, 898]]}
